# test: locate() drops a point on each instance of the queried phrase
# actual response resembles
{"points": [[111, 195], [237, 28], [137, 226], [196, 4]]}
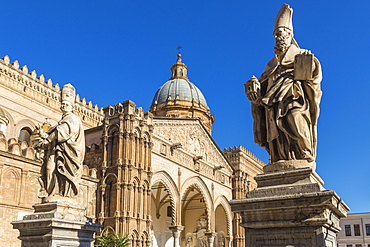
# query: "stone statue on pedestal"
{"points": [[59, 220], [290, 206], [285, 99], [64, 151]]}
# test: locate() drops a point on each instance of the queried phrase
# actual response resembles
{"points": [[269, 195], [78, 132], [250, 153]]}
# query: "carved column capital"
{"points": [[176, 230]]}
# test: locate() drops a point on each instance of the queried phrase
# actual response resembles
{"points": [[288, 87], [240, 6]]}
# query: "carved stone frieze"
{"points": [[193, 138], [194, 148]]}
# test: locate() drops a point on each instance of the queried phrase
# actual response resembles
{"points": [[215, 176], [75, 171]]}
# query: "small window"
{"points": [[356, 228], [24, 135], [347, 229], [358, 245], [349, 245], [367, 226]]}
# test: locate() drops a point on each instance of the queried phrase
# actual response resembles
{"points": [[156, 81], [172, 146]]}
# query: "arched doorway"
{"points": [[162, 215], [195, 218], [221, 227]]}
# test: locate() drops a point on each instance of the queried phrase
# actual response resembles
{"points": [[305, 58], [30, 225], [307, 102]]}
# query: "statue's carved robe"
{"points": [[63, 168], [286, 117]]}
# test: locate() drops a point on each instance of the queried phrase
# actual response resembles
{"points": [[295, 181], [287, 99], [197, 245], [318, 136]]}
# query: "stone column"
{"points": [[211, 238], [176, 230]]}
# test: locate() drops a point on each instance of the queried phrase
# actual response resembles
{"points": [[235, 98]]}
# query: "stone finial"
{"points": [[15, 64], [33, 74], [49, 83], [56, 86], [41, 78], [25, 69], [6, 59]]}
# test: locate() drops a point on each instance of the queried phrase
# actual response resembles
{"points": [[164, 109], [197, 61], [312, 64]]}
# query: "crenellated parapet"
{"points": [[20, 149], [12, 147], [248, 154], [35, 87]]}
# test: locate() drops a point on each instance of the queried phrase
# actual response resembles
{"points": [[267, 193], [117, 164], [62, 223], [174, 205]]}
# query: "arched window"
{"points": [[112, 148], [24, 135], [110, 197]]}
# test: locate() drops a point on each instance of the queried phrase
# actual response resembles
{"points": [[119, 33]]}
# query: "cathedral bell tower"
{"points": [[126, 172]]}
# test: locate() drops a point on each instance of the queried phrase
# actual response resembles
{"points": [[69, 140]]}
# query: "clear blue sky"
{"points": [[118, 50]]}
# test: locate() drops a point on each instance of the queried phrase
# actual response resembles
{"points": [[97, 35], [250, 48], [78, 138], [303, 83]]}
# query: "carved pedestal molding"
{"points": [[56, 224], [176, 230], [290, 207]]}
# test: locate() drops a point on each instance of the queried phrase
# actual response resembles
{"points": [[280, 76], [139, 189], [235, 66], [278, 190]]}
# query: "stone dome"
{"points": [[179, 98], [179, 89]]}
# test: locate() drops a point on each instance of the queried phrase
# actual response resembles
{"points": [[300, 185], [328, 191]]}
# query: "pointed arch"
{"points": [[164, 178], [137, 131], [112, 128], [224, 203], [112, 145], [109, 229], [147, 137], [144, 239], [110, 194], [134, 238], [201, 186], [10, 183]]}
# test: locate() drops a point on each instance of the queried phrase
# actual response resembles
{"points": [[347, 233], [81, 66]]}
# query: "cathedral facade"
{"points": [[157, 176]]}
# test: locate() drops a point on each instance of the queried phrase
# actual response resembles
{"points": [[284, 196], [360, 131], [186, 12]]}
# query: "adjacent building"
{"points": [[355, 231], [158, 176]]}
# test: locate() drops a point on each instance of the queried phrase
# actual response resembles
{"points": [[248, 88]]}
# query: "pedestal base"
{"points": [[56, 224], [290, 208]]}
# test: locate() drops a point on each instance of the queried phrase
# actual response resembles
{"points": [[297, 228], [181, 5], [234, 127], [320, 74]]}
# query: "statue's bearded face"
{"points": [[283, 39], [66, 106]]}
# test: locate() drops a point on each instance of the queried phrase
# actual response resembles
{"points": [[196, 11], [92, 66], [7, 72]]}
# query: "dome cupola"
{"points": [[179, 98]]}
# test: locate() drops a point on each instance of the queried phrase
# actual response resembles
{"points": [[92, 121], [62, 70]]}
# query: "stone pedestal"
{"points": [[290, 208], [56, 224]]}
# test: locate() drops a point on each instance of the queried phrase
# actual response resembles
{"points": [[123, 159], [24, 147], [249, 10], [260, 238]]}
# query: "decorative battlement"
{"points": [[23, 150], [35, 87], [128, 108], [246, 151]]}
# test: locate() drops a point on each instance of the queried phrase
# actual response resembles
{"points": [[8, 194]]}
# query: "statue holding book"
{"points": [[285, 99]]}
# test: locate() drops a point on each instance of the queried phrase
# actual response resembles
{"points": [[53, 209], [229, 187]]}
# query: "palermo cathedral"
{"points": [[157, 176]]}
